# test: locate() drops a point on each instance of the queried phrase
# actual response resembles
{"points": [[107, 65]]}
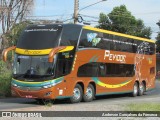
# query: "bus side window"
{"points": [[102, 70], [70, 35], [152, 70], [90, 39], [119, 70], [59, 68], [63, 67], [88, 70]]}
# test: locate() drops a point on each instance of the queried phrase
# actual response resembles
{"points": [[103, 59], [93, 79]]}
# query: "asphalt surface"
{"points": [[19, 103]]}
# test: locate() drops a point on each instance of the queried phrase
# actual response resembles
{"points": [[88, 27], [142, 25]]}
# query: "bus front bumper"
{"points": [[46, 93], [42, 90]]}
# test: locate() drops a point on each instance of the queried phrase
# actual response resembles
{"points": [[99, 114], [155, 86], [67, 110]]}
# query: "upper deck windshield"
{"points": [[40, 37]]}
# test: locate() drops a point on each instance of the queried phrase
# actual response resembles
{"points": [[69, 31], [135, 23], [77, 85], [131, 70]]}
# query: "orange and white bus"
{"points": [[80, 62]]}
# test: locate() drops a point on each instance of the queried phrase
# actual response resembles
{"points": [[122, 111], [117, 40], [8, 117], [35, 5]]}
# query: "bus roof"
{"points": [[118, 34]]}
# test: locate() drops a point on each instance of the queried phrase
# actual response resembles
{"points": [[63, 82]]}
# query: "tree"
{"points": [[15, 32], [12, 36], [121, 20], [12, 12], [158, 39]]}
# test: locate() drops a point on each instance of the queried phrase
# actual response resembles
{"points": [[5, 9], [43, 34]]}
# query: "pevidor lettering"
{"points": [[30, 52], [114, 57]]}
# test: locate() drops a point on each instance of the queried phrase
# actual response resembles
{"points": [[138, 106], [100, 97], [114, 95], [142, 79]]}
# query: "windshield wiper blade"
{"points": [[19, 75]]}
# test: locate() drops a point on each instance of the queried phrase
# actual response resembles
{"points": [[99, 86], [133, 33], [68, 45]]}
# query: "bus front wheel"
{"points": [[89, 95], [77, 94]]}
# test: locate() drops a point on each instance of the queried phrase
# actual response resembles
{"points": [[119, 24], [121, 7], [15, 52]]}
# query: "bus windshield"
{"points": [[40, 37], [32, 68]]}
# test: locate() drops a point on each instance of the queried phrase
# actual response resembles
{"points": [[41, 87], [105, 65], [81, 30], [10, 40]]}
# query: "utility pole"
{"points": [[76, 7]]}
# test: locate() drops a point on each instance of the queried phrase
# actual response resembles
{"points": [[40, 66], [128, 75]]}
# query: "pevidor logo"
{"points": [[114, 57]]}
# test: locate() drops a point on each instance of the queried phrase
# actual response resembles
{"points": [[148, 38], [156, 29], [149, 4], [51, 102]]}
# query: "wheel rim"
{"points": [[76, 94], [135, 89], [142, 89], [89, 93]]}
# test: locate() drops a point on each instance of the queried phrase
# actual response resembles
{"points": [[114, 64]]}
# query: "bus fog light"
{"points": [[13, 92], [48, 94], [13, 84]]}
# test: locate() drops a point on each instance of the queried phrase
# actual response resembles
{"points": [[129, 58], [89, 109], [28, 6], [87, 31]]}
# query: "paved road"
{"points": [[102, 102]]}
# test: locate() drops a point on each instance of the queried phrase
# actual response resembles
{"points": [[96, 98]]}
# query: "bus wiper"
{"points": [[19, 75]]}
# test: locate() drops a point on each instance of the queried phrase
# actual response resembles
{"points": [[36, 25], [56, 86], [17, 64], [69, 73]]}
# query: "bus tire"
{"points": [[135, 90], [89, 94], [77, 94], [141, 89], [44, 101], [39, 101]]}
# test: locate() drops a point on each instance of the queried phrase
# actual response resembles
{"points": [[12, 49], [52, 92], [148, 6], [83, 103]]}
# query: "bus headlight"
{"points": [[47, 86], [13, 84], [50, 85]]}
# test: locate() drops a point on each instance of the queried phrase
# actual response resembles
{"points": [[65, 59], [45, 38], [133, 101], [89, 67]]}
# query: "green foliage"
{"points": [[121, 20], [13, 35], [5, 79], [5, 68], [158, 40]]}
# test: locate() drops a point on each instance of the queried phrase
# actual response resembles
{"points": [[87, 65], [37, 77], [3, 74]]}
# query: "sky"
{"points": [[147, 10]]}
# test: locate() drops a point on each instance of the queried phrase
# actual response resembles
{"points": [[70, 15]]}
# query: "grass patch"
{"points": [[49, 104], [144, 107], [5, 80]]}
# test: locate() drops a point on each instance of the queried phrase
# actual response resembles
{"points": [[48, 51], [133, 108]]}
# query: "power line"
{"points": [[68, 19], [49, 15], [89, 16], [85, 15], [93, 17], [148, 13]]}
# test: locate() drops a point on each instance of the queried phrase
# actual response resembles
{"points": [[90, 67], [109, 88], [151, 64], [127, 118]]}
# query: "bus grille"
{"points": [[29, 88]]}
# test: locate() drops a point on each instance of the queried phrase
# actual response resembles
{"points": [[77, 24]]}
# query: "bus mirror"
{"points": [[54, 51], [5, 52]]}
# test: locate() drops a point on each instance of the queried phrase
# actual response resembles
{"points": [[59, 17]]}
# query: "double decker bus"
{"points": [[80, 62]]}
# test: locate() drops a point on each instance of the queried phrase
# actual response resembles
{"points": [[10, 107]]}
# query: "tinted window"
{"points": [[89, 39], [40, 37], [119, 70], [70, 35], [106, 42], [145, 48], [63, 67], [152, 70], [152, 48], [88, 70], [106, 70], [102, 70], [92, 39]]}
